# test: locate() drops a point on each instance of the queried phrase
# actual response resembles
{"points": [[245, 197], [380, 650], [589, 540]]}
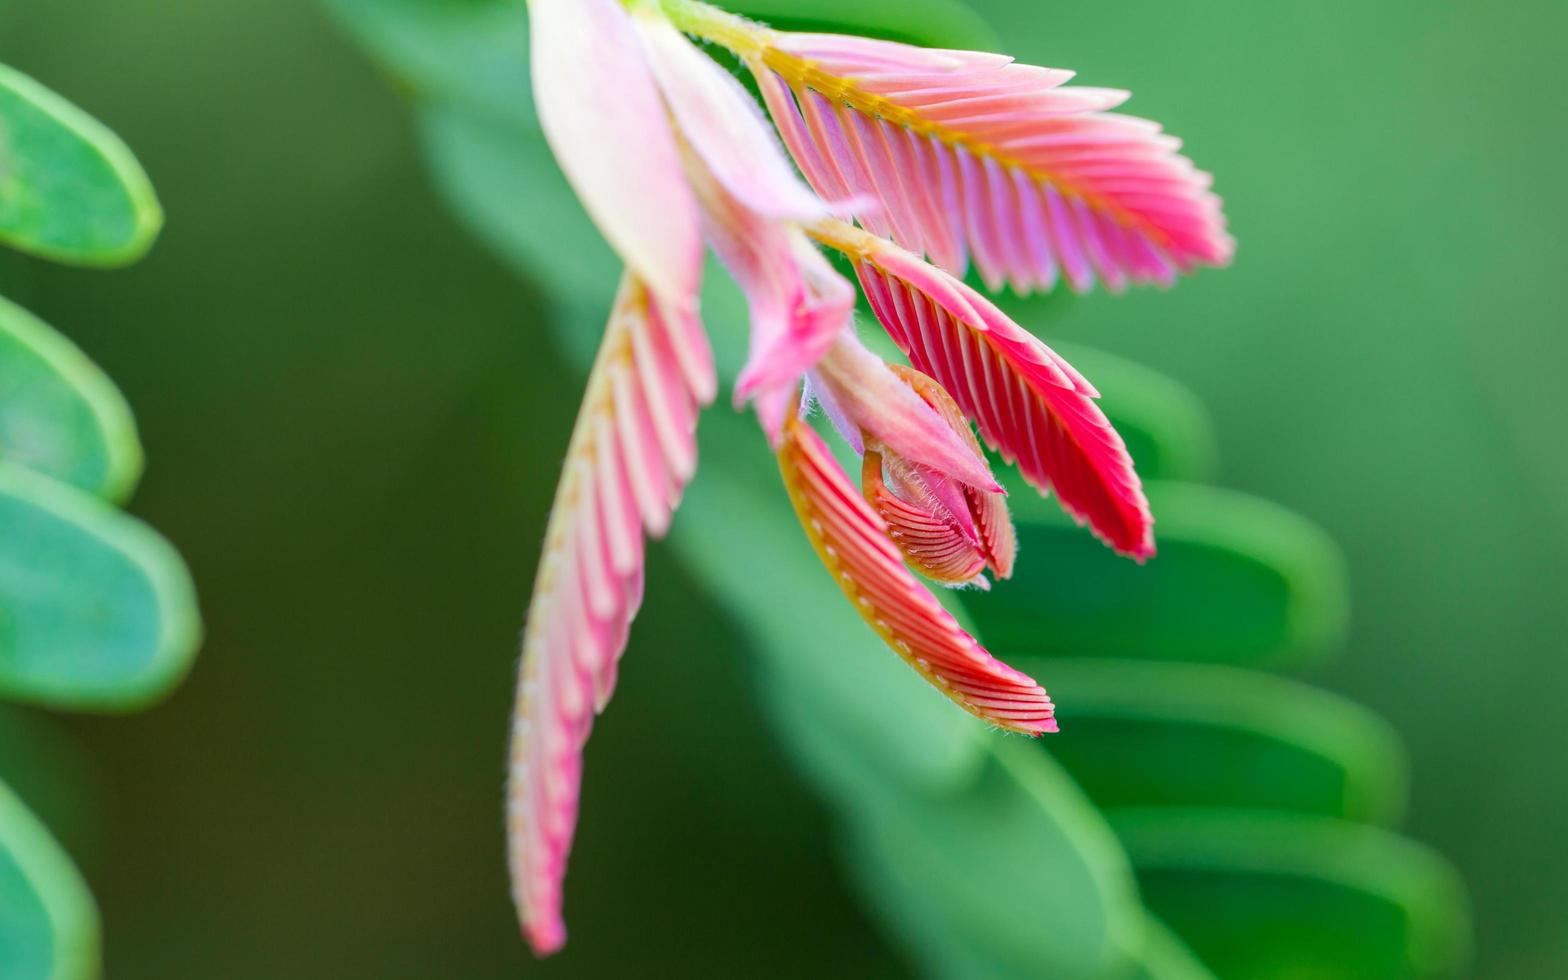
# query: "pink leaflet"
{"points": [[602, 115], [798, 303], [971, 155], [1030, 404], [851, 539], [887, 412], [632, 452], [723, 124]]}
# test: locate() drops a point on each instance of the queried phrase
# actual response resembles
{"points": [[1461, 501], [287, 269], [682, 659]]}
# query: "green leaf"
{"points": [[1014, 877], [502, 182], [1139, 733], [1237, 580], [1295, 897], [48, 923], [70, 190], [933, 23], [1166, 957], [1167, 428], [96, 610], [472, 53], [61, 415]]}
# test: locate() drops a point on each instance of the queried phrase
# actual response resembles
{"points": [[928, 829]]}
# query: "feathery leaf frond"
{"points": [[632, 452]]}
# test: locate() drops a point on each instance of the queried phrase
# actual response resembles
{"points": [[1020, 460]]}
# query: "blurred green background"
{"points": [[353, 419]]}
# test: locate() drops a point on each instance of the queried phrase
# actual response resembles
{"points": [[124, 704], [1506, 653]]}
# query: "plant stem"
{"points": [[745, 38]]}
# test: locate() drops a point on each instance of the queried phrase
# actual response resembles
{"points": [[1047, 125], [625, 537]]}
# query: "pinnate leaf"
{"points": [[48, 923], [70, 190], [96, 610], [61, 415]]}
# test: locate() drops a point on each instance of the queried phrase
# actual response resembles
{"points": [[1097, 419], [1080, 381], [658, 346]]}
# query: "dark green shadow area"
{"points": [[1238, 580], [1141, 733], [1261, 895]]}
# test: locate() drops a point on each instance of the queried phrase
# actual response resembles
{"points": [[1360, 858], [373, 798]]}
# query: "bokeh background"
{"points": [[353, 416]]}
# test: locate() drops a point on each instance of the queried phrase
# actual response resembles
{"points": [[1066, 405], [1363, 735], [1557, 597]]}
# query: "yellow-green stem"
{"points": [[745, 38], [841, 236]]}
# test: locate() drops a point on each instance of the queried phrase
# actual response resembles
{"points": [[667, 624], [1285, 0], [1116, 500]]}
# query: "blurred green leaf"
{"points": [[61, 415], [501, 181], [935, 23], [472, 53], [845, 748], [1167, 428], [1237, 580], [1139, 733], [1166, 957], [96, 610], [48, 923], [1016, 876], [918, 918], [1295, 897], [70, 190]]}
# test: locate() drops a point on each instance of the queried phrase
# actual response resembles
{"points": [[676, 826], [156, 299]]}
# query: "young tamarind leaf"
{"points": [[48, 922], [60, 414], [70, 190], [97, 611], [1144, 733], [1264, 895], [1235, 580]]}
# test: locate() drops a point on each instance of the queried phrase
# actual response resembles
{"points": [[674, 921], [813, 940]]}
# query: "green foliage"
{"points": [[1238, 580], [945, 23], [473, 52], [48, 924], [69, 189], [96, 611], [1134, 732], [99, 611], [1262, 894], [979, 859], [1166, 428], [985, 854], [59, 414]]}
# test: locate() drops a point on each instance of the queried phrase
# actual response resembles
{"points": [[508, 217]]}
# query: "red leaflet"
{"points": [[1030, 404], [852, 541]]}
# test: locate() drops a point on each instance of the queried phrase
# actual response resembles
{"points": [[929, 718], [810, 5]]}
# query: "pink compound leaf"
{"points": [[632, 452], [1030, 404], [852, 541], [969, 156]]}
